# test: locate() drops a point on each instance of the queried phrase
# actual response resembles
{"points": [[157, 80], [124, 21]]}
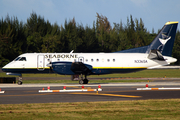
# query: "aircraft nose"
{"points": [[4, 69]]}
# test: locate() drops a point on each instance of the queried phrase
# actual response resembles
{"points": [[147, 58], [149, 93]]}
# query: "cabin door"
{"points": [[40, 62]]}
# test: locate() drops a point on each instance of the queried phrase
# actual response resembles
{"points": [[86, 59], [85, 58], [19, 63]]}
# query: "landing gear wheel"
{"points": [[86, 81], [81, 82], [19, 82]]}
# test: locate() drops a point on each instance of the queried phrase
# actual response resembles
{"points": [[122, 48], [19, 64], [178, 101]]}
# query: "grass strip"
{"points": [[138, 109], [175, 73], [162, 73]]}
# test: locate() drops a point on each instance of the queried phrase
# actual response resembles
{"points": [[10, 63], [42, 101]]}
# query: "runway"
{"points": [[28, 93]]}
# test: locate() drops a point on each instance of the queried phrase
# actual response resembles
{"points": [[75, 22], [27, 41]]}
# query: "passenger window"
{"points": [[108, 60], [86, 60], [91, 60], [113, 60], [22, 59], [97, 60]]}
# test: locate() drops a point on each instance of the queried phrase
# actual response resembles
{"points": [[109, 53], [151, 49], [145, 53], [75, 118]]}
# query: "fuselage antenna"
{"points": [[72, 51]]}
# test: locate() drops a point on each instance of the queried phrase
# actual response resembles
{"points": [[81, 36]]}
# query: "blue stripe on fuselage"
{"points": [[31, 70], [94, 71]]}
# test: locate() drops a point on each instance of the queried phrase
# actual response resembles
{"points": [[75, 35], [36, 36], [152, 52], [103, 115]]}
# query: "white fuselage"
{"points": [[38, 62]]}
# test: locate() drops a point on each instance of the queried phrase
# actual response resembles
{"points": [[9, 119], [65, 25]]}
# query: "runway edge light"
{"points": [[99, 88], [64, 88], [1, 91], [48, 88]]}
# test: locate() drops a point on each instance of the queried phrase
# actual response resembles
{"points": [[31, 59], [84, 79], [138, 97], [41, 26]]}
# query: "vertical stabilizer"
{"points": [[164, 41]]}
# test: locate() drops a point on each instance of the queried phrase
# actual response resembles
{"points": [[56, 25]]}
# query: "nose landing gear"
{"points": [[20, 80]]}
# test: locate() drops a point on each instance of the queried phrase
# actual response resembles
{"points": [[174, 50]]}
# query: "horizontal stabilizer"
{"points": [[155, 54]]}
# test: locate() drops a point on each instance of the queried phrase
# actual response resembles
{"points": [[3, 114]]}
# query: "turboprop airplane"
{"points": [[156, 54]]}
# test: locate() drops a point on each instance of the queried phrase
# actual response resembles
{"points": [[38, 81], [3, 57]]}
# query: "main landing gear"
{"points": [[83, 81], [20, 80]]}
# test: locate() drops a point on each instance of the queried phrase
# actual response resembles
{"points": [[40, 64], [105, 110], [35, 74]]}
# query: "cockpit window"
{"points": [[22, 59], [17, 59]]}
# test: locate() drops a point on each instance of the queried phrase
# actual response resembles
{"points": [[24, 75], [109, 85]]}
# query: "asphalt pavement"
{"points": [[29, 93]]}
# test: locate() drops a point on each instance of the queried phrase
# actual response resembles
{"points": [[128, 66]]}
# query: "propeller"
{"points": [[50, 66]]}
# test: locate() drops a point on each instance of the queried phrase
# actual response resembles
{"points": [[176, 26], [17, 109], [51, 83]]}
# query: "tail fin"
{"points": [[164, 41]]}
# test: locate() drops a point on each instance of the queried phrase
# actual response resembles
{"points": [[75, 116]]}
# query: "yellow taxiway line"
{"points": [[115, 95]]}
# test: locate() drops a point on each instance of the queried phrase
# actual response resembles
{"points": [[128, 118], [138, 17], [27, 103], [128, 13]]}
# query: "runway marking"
{"points": [[115, 95]]}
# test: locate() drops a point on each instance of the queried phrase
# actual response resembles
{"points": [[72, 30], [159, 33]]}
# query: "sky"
{"points": [[154, 13]]}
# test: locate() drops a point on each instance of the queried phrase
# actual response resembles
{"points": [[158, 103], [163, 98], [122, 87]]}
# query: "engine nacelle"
{"points": [[62, 68], [69, 68]]}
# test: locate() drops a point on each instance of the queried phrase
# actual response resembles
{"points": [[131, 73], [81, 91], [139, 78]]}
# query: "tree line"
{"points": [[39, 35]]}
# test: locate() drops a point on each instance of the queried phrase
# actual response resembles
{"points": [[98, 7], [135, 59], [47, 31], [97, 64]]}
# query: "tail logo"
{"points": [[163, 41]]}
